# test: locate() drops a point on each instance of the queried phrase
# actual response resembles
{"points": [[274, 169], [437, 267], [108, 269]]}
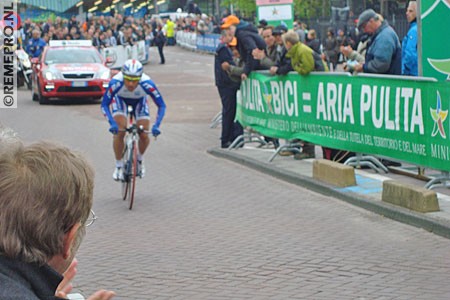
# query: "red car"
{"points": [[69, 69]]}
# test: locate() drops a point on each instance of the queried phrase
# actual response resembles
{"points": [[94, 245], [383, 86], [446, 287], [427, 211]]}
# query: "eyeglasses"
{"points": [[91, 219], [131, 78]]}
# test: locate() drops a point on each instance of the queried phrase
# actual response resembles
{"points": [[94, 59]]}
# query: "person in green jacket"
{"points": [[302, 61], [301, 56], [170, 32]]}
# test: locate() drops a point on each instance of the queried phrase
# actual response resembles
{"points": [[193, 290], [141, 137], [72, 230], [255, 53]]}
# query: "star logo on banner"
{"points": [[274, 12], [439, 117], [268, 98]]}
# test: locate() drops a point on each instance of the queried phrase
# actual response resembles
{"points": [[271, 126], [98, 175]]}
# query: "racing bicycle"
{"points": [[129, 157]]}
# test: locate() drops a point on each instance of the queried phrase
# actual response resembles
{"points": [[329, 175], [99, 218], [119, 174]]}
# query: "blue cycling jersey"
{"points": [[146, 86]]}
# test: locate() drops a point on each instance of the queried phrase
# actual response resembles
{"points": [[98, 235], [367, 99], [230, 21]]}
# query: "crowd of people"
{"points": [[373, 48], [103, 31]]}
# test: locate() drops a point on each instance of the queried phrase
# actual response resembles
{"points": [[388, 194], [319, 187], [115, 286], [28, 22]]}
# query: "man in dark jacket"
{"points": [[283, 64], [248, 39], [227, 90], [46, 195], [384, 53]]}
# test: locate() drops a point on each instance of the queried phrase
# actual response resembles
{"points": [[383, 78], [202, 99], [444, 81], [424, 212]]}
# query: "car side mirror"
{"points": [[35, 60]]}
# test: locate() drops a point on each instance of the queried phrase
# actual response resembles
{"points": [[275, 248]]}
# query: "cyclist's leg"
{"points": [[118, 139], [143, 118], [119, 110]]}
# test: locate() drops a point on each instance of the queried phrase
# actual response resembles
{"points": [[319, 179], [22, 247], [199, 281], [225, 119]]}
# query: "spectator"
{"points": [[283, 64], [303, 59], [27, 30], [262, 24], [268, 57], [299, 30], [170, 31], [409, 45], [110, 39], [312, 41], [234, 71], [47, 25], [331, 51], [126, 38], [36, 44], [227, 90], [72, 23], [202, 27], [383, 55], [276, 61], [160, 41], [46, 195], [248, 39], [352, 57]]}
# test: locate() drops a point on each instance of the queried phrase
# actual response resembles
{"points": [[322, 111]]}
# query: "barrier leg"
{"points": [[366, 161], [439, 181], [240, 140], [216, 120], [294, 147], [247, 137]]}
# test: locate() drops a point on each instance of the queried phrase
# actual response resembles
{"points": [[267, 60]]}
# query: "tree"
{"points": [[311, 8], [302, 8], [247, 8]]}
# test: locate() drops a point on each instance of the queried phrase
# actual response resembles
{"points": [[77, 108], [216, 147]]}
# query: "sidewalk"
{"points": [[366, 194]]}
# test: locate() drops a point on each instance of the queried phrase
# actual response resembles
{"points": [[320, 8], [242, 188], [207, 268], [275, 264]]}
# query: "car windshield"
{"points": [[72, 55]]}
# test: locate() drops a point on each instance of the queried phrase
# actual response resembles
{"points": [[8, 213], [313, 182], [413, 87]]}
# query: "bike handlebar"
{"points": [[139, 129]]}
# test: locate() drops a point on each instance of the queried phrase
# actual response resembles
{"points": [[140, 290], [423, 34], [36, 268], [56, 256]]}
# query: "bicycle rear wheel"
{"points": [[132, 174]]}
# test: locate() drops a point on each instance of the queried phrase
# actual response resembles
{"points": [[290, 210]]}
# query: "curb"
{"points": [[435, 225]]}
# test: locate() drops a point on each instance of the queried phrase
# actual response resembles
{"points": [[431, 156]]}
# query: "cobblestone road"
{"points": [[205, 228]]}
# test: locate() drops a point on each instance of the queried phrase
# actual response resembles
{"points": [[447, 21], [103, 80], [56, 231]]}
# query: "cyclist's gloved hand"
{"points": [[155, 130], [114, 129]]}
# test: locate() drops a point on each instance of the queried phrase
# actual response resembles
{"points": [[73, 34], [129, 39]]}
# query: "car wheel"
{"points": [[42, 99]]}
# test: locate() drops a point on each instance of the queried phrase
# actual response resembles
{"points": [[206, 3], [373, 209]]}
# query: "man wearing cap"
{"points": [[383, 54], [283, 64], [262, 24], [227, 90], [248, 39]]}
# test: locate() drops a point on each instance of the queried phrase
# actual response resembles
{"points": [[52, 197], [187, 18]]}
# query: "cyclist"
{"points": [[131, 87]]}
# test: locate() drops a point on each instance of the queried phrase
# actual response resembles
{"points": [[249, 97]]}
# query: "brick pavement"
{"points": [[207, 228]]}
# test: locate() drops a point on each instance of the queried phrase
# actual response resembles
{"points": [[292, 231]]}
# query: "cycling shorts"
{"points": [[140, 107]]}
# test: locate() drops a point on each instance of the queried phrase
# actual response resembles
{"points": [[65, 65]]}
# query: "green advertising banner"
{"points": [[434, 25], [405, 119]]}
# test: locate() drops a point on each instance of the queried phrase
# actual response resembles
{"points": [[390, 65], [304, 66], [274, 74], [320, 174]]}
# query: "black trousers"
{"points": [[161, 54], [230, 129]]}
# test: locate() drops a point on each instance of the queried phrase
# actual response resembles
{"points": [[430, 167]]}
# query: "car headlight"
{"points": [[49, 75], [105, 74]]}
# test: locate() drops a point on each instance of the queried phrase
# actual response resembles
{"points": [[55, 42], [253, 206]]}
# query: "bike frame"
{"points": [[130, 159]]}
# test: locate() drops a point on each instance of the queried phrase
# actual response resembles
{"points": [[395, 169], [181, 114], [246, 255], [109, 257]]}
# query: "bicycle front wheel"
{"points": [[126, 172], [132, 174]]}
